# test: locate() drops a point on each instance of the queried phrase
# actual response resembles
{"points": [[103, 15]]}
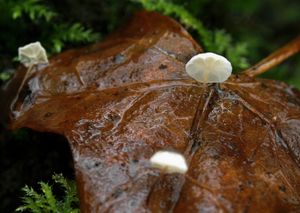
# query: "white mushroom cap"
{"points": [[169, 162], [32, 54], [209, 68]]}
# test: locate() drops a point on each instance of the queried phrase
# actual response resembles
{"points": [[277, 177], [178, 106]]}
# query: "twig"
{"points": [[275, 58]]}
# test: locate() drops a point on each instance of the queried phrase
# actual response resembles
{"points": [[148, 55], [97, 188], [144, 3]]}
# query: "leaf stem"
{"points": [[275, 58]]}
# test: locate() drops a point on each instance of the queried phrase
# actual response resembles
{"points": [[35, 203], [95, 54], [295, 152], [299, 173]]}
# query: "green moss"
{"points": [[217, 41], [47, 202], [36, 20], [34, 9]]}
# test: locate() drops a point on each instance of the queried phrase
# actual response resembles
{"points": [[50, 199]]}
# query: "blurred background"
{"points": [[245, 31]]}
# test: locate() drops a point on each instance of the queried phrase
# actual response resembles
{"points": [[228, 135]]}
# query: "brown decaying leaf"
{"points": [[120, 101]]}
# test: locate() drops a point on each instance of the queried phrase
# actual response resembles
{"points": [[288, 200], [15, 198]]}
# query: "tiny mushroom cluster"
{"points": [[204, 68]]}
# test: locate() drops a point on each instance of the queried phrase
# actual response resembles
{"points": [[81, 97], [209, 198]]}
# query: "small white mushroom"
{"points": [[169, 162], [32, 54], [209, 68]]}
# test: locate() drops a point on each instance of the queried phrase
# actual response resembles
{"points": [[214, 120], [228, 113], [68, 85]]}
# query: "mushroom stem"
{"points": [[27, 74], [275, 58]]}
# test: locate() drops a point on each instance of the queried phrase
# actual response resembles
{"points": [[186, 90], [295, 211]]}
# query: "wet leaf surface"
{"points": [[120, 101]]}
